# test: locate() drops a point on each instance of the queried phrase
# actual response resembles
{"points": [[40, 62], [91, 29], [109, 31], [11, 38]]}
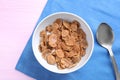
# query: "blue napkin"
{"points": [[94, 12]]}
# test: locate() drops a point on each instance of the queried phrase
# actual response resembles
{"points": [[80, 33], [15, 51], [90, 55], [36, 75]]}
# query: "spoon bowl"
{"points": [[105, 35]]}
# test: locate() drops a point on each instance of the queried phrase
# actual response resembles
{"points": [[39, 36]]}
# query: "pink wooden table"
{"points": [[17, 20]]}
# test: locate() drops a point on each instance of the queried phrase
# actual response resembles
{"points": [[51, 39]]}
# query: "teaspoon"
{"points": [[105, 38]]}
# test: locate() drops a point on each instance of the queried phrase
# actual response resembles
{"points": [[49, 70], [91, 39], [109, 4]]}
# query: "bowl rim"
{"points": [[72, 14]]}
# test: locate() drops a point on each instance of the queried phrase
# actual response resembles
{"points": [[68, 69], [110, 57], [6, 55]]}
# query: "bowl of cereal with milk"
{"points": [[62, 42]]}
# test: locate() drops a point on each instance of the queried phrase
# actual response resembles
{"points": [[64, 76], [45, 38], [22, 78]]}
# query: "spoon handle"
{"points": [[114, 64]]}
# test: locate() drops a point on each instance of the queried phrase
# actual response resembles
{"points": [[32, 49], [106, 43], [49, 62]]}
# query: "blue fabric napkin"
{"points": [[94, 12]]}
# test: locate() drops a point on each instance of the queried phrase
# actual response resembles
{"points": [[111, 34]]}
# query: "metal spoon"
{"points": [[105, 38]]}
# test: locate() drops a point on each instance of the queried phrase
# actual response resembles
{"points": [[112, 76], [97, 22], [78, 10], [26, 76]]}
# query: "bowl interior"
{"points": [[49, 20]]}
